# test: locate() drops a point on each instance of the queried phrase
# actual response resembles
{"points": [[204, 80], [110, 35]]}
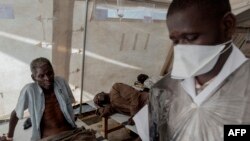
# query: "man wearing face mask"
{"points": [[209, 85]]}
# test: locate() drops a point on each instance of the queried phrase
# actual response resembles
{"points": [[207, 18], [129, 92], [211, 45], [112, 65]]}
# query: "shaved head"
{"points": [[39, 62], [215, 9]]}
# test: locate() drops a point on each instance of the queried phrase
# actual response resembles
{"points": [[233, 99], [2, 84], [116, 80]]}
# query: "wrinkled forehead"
{"points": [[189, 19], [44, 68]]}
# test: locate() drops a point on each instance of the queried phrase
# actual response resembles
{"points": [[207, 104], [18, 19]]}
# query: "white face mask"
{"points": [[194, 60]]}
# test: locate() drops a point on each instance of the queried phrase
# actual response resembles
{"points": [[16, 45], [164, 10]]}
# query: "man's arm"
{"points": [[12, 125], [134, 105], [22, 105]]}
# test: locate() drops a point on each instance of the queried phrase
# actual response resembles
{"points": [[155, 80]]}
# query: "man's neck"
{"points": [[48, 91], [202, 79]]}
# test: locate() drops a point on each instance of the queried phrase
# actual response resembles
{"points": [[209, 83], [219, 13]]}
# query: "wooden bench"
{"points": [[119, 118]]}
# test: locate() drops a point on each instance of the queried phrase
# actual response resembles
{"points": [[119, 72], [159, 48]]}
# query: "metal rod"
{"points": [[83, 50], [135, 41], [147, 40], [122, 42]]}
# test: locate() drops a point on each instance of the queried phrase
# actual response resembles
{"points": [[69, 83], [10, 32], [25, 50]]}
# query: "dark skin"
{"points": [[102, 99], [53, 120], [190, 26], [105, 99]]}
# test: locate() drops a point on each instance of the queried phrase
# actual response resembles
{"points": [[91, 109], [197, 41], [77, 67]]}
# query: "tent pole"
{"points": [[83, 50]]}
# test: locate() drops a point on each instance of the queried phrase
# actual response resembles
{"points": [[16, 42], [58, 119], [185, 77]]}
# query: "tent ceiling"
{"points": [[238, 6]]}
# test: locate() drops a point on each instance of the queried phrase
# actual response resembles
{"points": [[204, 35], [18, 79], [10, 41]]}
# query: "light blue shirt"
{"points": [[32, 98]]}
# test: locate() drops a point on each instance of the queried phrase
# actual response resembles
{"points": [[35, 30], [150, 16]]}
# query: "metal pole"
{"points": [[83, 50]]}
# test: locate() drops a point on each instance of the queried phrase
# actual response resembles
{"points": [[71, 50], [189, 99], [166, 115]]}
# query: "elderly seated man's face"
{"points": [[44, 76]]}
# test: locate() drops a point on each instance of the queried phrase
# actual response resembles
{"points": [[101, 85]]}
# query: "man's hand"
{"points": [[5, 138], [131, 121], [104, 111]]}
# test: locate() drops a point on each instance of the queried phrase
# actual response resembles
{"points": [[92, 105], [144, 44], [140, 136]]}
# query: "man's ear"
{"points": [[33, 78], [229, 24]]}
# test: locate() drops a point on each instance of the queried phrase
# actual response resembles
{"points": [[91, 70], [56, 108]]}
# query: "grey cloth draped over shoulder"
{"points": [[173, 116]]}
